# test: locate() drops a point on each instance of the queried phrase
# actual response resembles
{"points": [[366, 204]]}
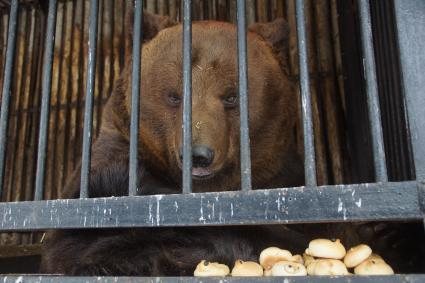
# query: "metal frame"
{"points": [[410, 17], [410, 20], [372, 202], [301, 279]]}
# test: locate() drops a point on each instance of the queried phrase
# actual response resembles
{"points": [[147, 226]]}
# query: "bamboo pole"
{"points": [[57, 77], [222, 10], [232, 11], [151, 6], [262, 15], [322, 176], [333, 114], [70, 55], [162, 7], [100, 71], [279, 9], [14, 116], [319, 137], [172, 9], [337, 51], [250, 12], [14, 106]]}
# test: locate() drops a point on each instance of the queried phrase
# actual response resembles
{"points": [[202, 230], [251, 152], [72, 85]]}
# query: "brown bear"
{"points": [[216, 165]]}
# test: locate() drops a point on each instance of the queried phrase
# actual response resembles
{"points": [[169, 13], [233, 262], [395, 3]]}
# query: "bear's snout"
{"points": [[202, 156]]}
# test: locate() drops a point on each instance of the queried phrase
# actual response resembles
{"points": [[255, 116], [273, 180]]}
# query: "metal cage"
{"points": [[382, 200]]}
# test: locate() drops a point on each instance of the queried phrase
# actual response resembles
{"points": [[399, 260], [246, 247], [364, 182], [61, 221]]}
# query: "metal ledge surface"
{"points": [[377, 201], [416, 278]]}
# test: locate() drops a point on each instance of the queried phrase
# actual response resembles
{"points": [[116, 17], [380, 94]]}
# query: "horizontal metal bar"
{"points": [[7, 83], [372, 92], [135, 97], [372, 202], [187, 96], [243, 99], [88, 110], [309, 154], [413, 278]]}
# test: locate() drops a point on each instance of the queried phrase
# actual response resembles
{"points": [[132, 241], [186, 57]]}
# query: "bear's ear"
{"points": [[152, 24], [276, 34]]}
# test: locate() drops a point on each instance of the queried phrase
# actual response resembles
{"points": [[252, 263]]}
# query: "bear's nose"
{"points": [[202, 155]]}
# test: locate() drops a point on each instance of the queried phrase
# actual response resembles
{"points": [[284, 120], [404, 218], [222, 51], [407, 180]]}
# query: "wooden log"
{"points": [[322, 176], [30, 79], [15, 98], [262, 14], [151, 6], [196, 10], [163, 7], [278, 9], [319, 137], [68, 99], [172, 9], [221, 10], [16, 102], [118, 37], [17, 114], [79, 81], [56, 90], [63, 111], [337, 51], [333, 113], [3, 40], [20, 250], [232, 9], [99, 84], [250, 12], [26, 116]]}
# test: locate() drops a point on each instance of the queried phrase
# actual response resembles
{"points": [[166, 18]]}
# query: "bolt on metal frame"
{"points": [[380, 201]]}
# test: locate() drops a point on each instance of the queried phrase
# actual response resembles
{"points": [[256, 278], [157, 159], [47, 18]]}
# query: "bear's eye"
{"points": [[230, 100], [173, 99]]}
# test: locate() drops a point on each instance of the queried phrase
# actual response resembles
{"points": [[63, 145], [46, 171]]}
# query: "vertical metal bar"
{"points": [[410, 22], [187, 96], [243, 98], [372, 92], [88, 111], [135, 93], [7, 81], [45, 99], [309, 154]]}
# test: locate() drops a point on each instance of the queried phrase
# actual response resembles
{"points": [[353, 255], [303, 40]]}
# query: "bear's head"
{"points": [[215, 106]]}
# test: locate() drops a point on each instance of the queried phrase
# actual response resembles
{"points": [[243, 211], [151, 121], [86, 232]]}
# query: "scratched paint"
{"points": [[392, 200]]}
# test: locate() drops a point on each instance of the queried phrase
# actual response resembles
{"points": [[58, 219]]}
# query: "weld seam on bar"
{"points": [[372, 92], [309, 154], [135, 98], [7, 81], [187, 96], [88, 111], [45, 99], [243, 98]]}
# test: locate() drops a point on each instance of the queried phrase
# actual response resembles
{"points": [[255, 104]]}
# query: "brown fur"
{"points": [[271, 107], [215, 75]]}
